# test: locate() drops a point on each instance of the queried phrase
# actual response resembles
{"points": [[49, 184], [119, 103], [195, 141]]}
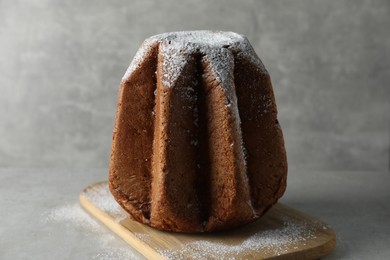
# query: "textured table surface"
{"points": [[41, 218]]}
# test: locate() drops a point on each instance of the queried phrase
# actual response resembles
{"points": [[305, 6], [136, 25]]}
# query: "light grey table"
{"points": [[41, 219]]}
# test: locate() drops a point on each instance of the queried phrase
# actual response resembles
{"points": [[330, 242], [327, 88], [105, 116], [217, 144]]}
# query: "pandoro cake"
{"points": [[197, 146]]}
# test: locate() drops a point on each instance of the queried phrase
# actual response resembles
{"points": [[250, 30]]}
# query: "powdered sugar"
{"points": [[273, 241], [175, 47], [221, 62], [112, 253], [138, 58], [173, 62], [102, 198], [72, 216], [291, 235], [199, 38]]}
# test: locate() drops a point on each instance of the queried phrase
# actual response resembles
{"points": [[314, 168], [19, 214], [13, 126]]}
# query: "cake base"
{"points": [[283, 233]]}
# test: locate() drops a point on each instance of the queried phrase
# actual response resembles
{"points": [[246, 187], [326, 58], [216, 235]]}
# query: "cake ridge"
{"points": [[227, 138]]}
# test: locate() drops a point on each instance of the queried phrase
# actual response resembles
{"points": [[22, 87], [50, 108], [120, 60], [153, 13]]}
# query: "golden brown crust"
{"points": [[131, 152], [262, 135]]}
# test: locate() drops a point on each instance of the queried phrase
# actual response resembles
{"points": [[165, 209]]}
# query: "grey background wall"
{"points": [[61, 63]]}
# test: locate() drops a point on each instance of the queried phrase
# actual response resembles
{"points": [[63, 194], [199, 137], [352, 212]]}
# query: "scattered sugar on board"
{"points": [[74, 217], [275, 241]]}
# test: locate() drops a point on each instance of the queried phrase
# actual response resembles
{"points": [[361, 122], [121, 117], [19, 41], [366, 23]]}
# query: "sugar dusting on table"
{"points": [[72, 216]]}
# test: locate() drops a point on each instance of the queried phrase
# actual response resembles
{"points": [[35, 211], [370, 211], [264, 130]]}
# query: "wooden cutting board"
{"points": [[283, 233]]}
